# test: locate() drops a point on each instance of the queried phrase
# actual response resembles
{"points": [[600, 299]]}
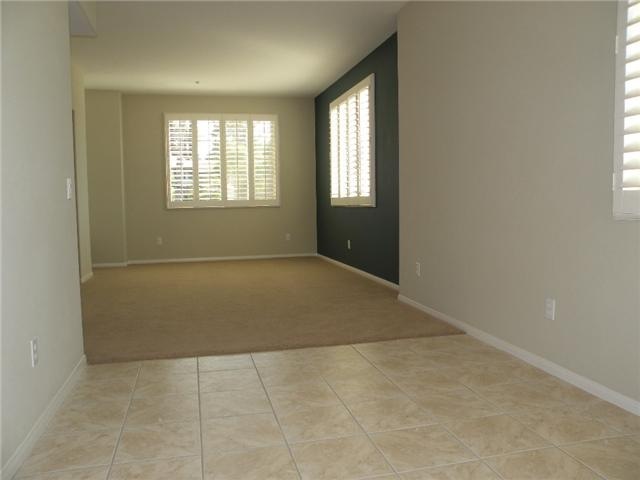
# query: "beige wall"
{"points": [[40, 284], [106, 187], [82, 181], [216, 232], [506, 114]]}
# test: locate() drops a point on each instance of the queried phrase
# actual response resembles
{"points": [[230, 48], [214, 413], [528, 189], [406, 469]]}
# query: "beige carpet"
{"points": [[189, 309]]}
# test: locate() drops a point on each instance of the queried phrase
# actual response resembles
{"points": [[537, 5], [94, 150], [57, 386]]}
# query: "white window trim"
{"points": [[626, 203], [221, 117], [369, 201]]}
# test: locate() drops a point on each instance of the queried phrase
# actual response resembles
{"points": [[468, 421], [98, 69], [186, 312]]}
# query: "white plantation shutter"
{"points": [[209, 160], [237, 159], [180, 152], [626, 181], [233, 159], [264, 160], [352, 146]]}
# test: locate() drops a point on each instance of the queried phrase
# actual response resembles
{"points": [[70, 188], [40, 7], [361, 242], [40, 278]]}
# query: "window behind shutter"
{"points": [[209, 160], [237, 159], [627, 155], [351, 146], [180, 150], [264, 160]]}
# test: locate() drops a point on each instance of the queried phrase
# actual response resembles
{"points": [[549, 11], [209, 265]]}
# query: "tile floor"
{"points": [[427, 408]]}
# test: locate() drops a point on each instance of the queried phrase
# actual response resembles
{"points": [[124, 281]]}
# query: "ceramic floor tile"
{"points": [[98, 473], [224, 362], [430, 344], [360, 388], [188, 468], [234, 402], [343, 458], [76, 450], [79, 414], [474, 470], [225, 380], [302, 395], [546, 464], [241, 433], [285, 375], [404, 366], [524, 372], [615, 458], [163, 409], [616, 417], [110, 371], [390, 414], [484, 375], [168, 366], [89, 390], [513, 397], [318, 423], [564, 425], [455, 405], [495, 435], [284, 358], [271, 463], [425, 382], [158, 441], [420, 447], [184, 384], [566, 392]]}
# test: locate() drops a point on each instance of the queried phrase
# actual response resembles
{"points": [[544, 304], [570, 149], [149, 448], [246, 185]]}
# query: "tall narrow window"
{"points": [[351, 118], [222, 160], [626, 177]]}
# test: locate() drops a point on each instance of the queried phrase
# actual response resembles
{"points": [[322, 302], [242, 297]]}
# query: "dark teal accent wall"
{"points": [[373, 231]]}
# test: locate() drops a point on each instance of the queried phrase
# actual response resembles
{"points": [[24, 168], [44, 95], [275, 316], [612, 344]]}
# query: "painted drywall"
{"points": [[506, 115], [40, 282], [81, 176], [373, 231], [211, 232], [105, 174]]}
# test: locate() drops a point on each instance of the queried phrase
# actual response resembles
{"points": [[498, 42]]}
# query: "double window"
{"points": [[221, 160], [352, 132], [626, 176]]}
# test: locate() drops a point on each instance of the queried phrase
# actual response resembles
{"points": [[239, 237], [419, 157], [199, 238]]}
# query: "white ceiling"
{"points": [[232, 48]]}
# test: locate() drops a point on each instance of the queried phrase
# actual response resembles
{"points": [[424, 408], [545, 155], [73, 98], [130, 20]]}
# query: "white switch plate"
{"points": [[158, 240], [287, 236], [33, 345], [348, 244], [418, 269], [69, 188], [550, 308]]}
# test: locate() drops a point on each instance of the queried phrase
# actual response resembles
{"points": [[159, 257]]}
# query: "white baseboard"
{"points": [[110, 265], [219, 259], [595, 388], [201, 259], [86, 277], [24, 449], [368, 275]]}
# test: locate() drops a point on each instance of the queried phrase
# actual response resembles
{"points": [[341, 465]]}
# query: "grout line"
{"points": [[124, 421], [200, 419], [275, 415], [393, 469]]}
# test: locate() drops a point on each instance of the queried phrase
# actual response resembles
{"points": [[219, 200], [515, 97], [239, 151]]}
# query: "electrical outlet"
{"points": [[33, 345], [69, 188], [550, 308], [287, 236], [348, 244], [418, 269], [158, 240]]}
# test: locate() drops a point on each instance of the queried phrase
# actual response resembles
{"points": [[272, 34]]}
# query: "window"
{"points": [[222, 160], [626, 176], [352, 147]]}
